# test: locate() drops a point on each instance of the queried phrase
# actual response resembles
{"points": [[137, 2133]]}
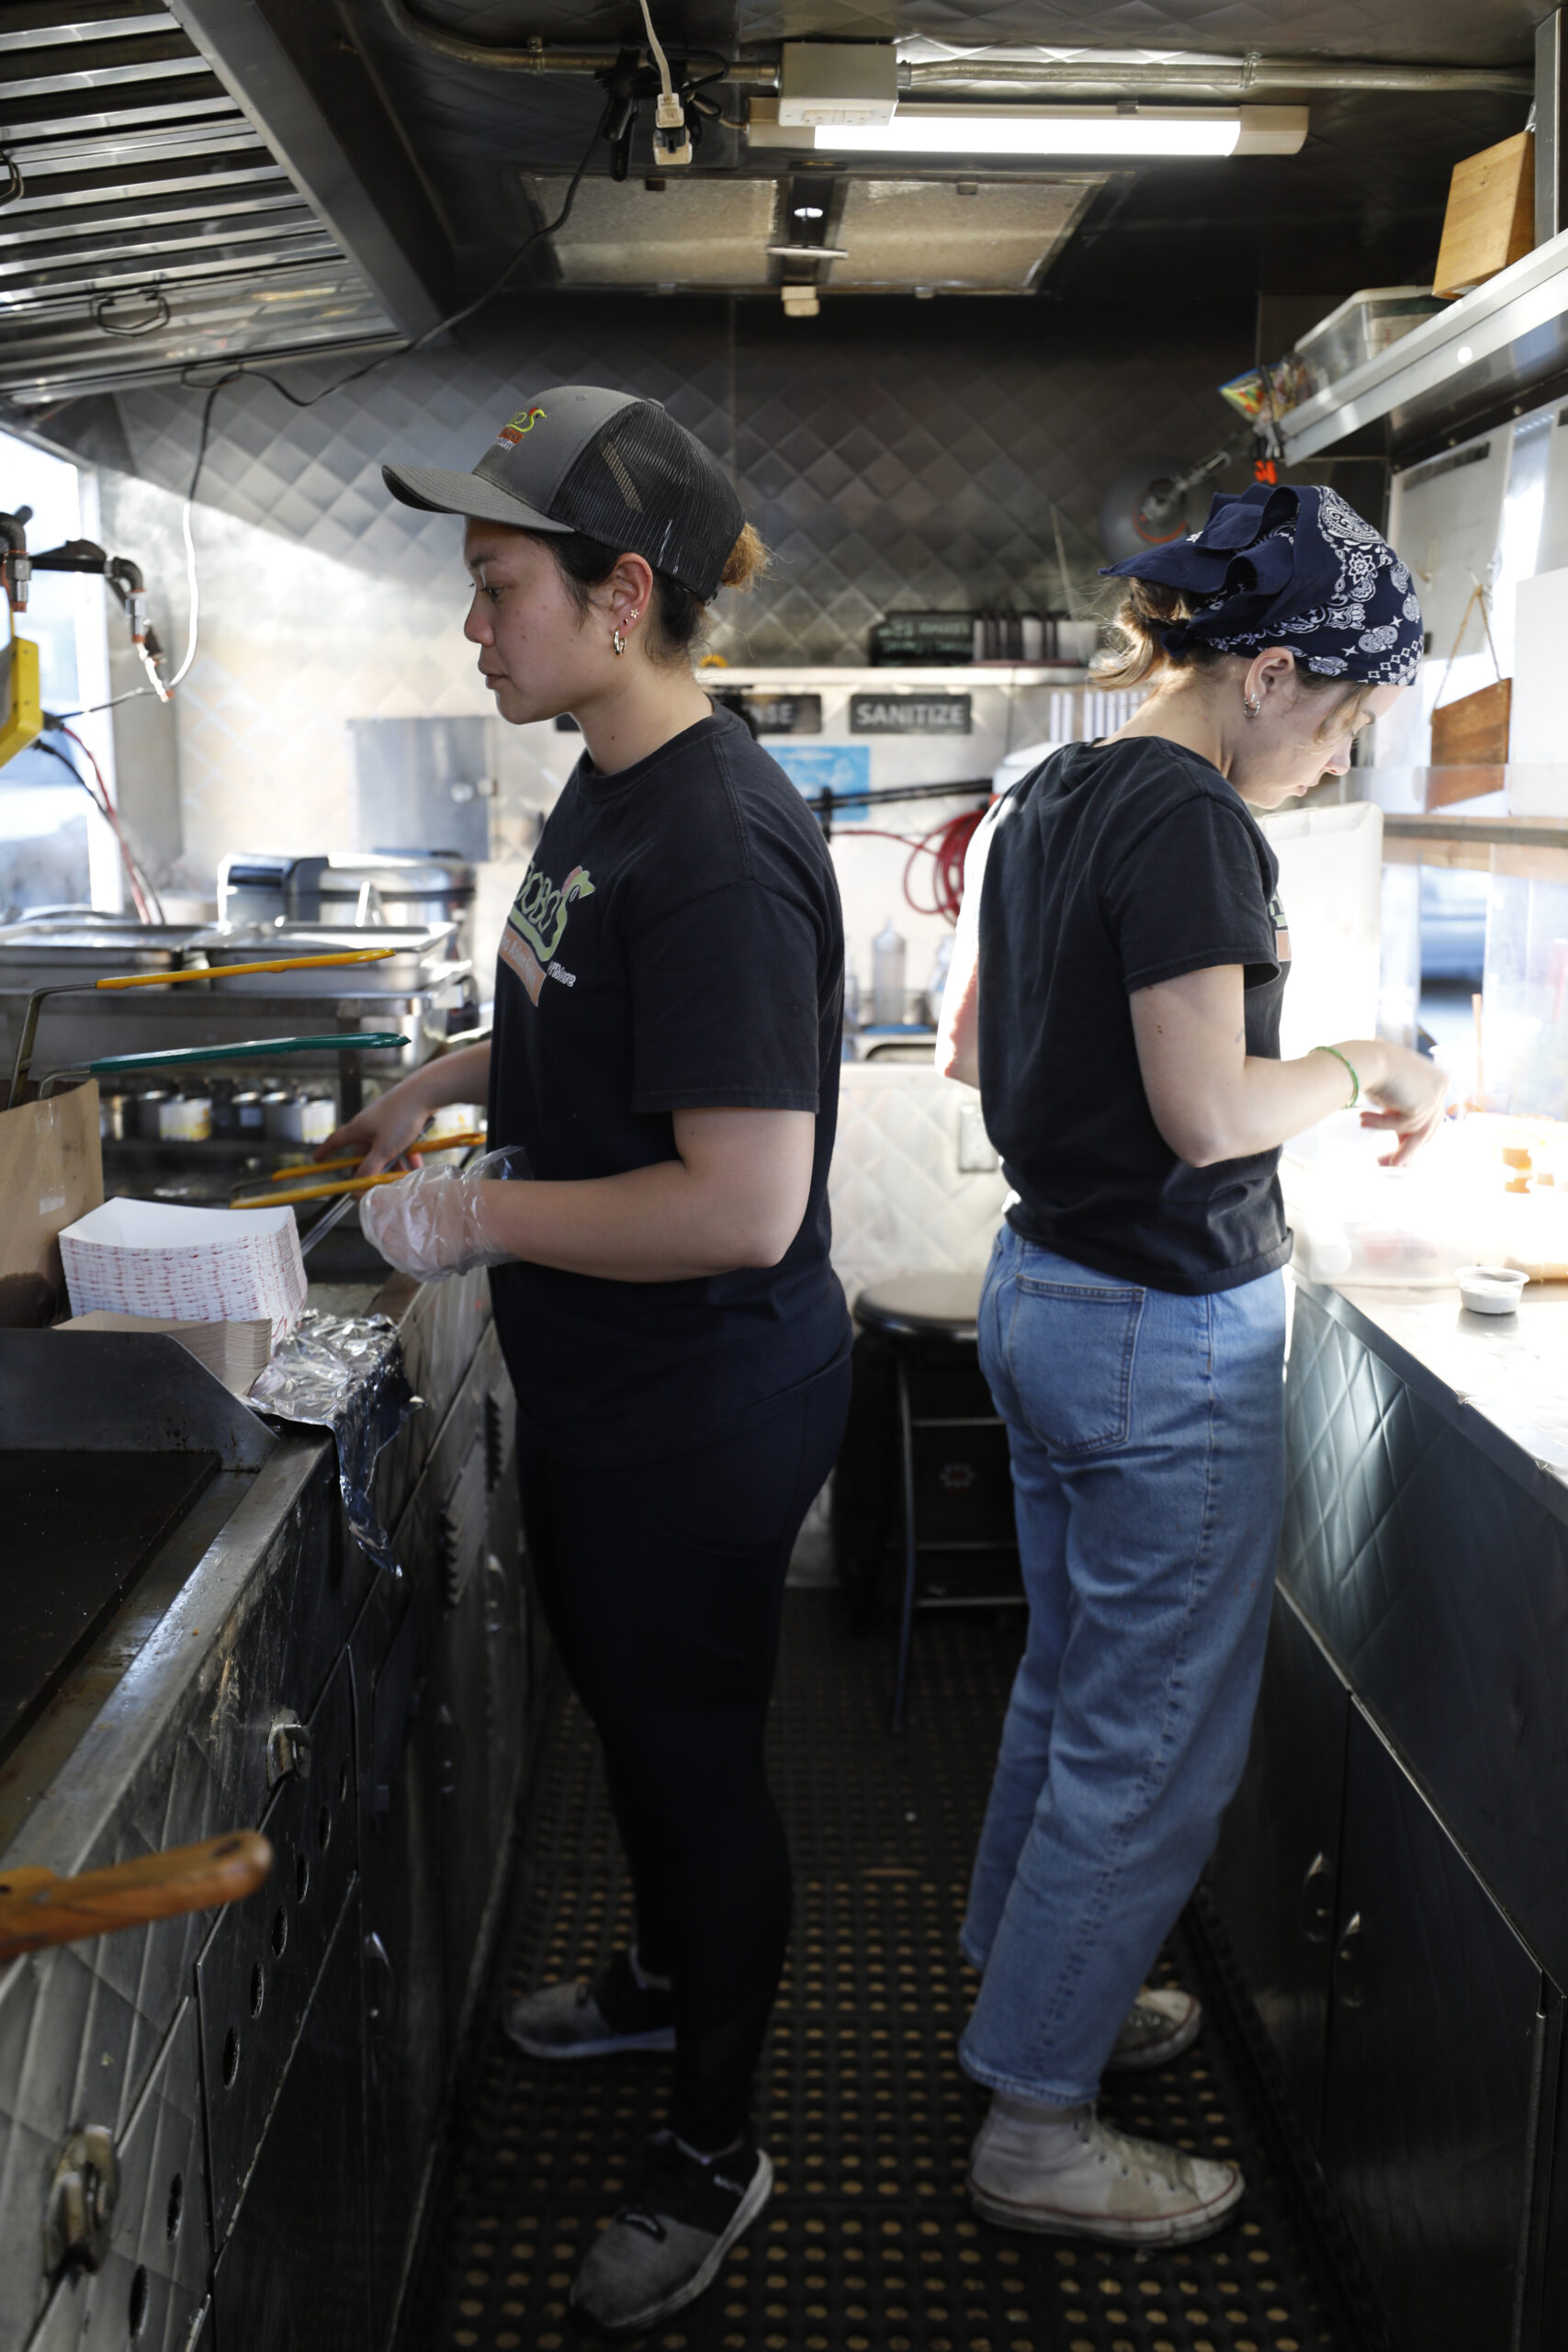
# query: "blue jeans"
{"points": [[1148, 1439]]}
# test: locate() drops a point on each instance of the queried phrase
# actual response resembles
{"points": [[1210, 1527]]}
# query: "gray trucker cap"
{"points": [[618, 469]]}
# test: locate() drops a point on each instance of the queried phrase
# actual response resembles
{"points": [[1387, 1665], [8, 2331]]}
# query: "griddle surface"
{"points": [[79, 1529]]}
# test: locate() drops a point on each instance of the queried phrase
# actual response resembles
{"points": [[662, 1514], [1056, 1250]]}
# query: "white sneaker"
{"points": [[1066, 2174], [1162, 2022]]}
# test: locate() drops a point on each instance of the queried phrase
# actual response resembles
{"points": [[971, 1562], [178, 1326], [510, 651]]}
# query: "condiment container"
{"points": [[185, 1119], [887, 977], [250, 1118], [149, 1113], [1490, 1289], [318, 1117]]}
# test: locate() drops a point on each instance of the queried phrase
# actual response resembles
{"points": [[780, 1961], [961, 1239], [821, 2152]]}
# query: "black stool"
{"points": [[929, 1318]]}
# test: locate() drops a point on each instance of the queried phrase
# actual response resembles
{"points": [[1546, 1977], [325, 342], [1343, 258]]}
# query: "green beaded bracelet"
{"points": [[1355, 1081]]}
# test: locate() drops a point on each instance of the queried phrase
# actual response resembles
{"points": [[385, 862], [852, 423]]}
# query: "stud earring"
{"points": [[617, 640], [1251, 705]]}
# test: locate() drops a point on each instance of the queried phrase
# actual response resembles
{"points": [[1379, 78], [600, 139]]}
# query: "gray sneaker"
{"points": [[1162, 2022], [664, 2248], [1066, 2174], [597, 2020]]}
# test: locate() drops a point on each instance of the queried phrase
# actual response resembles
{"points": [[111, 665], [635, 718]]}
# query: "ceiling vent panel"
{"points": [[956, 236], [691, 232]]}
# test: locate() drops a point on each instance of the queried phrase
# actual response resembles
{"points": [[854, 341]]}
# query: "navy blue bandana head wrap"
{"points": [[1292, 566]]}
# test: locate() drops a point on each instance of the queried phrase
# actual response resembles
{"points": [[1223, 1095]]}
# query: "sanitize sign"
{"points": [[894, 714]]}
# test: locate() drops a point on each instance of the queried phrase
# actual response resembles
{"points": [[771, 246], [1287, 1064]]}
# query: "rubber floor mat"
{"points": [[868, 2244]]}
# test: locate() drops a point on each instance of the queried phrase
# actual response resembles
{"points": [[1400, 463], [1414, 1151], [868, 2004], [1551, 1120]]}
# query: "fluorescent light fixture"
{"points": [[1071, 130]]}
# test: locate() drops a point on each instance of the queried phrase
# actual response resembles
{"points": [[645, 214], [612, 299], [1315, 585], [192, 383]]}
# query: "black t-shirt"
{"points": [[676, 945], [1114, 866]]}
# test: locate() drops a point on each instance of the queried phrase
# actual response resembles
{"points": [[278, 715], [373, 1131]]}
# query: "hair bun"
{"points": [[746, 562]]}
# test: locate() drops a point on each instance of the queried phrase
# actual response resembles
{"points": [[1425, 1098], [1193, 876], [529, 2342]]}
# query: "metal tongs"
{"points": [[40, 997]]}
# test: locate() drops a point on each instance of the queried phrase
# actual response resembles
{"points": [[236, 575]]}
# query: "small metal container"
{"points": [[250, 1117], [284, 1114], [114, 1112], [150, 1112]]}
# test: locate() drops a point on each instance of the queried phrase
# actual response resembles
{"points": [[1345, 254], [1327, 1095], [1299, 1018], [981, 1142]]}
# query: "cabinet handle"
{"points": [[1348, 1981], [380, 1985], [1316, 1902], [450, 1751], [288, 1749]]}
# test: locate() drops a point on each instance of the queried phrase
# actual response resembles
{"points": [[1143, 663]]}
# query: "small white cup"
{"points": [[1491, 1290]]}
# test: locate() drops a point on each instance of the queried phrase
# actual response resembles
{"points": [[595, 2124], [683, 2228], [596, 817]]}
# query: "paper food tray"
{"points": [[187, 1265]]}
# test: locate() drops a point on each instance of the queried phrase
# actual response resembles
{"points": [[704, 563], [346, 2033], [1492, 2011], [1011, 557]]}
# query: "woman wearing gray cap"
{"points": [[668, 1017], [1115, 994]]}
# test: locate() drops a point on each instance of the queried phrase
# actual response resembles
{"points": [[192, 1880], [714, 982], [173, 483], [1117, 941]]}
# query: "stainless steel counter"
{"points": [[1501, 1380]]}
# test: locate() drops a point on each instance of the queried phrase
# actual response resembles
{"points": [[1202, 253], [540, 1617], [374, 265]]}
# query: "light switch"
{"points": [[977, 1153]]}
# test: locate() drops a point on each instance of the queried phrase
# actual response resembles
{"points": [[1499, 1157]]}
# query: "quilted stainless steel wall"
{"points": [[892, 453]]}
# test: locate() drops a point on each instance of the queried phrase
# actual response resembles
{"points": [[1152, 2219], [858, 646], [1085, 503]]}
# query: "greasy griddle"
{"points": [[78, 1531]]}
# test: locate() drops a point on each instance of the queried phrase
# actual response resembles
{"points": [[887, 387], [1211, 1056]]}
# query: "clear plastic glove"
{"points": [[432, 1224]]}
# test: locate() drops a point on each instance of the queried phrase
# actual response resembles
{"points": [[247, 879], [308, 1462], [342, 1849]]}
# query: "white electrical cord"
{"points": [[193, 588], [669, 114]]}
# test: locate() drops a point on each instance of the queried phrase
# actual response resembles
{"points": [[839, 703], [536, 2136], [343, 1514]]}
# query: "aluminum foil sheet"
{"points": [[345, 1373]]}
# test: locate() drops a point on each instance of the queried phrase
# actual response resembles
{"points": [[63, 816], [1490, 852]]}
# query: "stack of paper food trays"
{"points": [[187, 1265]]}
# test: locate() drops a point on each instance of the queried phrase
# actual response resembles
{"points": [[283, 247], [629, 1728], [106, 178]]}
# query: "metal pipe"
{"points": [[1239, 78], [535, 57], [1012, 76]]}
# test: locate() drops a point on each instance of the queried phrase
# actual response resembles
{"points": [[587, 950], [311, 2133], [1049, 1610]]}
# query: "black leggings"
{"points": [[662, 1584]]}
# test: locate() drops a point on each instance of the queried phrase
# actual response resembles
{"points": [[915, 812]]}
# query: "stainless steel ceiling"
{"points": [[154, 225], [1363, 203], [151, 189]]}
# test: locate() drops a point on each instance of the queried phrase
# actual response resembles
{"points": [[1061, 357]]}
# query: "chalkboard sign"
{"points": [[923, 636], [906, 714]]}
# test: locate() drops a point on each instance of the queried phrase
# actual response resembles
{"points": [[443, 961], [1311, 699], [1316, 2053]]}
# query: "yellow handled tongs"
{"points": [[40, 997], [464, 1142], [243, 1199]]}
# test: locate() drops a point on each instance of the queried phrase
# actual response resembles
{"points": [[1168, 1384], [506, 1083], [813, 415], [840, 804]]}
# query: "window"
{"points": [[53, 850]]}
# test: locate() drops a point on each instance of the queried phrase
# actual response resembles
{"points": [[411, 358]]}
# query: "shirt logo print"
{"points": [[537, 926]]}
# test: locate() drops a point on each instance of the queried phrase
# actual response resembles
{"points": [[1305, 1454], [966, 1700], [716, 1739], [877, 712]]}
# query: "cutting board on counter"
{"points": [[51, 1172]]}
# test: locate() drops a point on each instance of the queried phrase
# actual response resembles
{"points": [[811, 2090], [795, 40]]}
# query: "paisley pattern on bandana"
{"points": [[1292, 565]]}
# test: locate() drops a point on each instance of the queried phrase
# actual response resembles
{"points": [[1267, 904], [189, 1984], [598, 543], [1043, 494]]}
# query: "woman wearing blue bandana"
{"points": [[1115, 996]]}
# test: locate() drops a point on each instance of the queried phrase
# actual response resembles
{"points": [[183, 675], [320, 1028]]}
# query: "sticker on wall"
{"points": [[841, 770], [878, 713]]}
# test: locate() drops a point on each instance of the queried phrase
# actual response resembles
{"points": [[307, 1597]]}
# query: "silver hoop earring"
{"points": [[617, 640], [1251, 705]]}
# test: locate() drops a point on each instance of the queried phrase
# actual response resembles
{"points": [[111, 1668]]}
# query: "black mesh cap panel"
{"points": [[645, 484]]}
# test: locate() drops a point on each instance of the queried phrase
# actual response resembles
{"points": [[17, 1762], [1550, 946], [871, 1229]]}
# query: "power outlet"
{"points": [[977, 1153]]}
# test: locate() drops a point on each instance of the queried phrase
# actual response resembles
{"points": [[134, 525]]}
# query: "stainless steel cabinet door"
{"points": [[294, 2274], [1272, 1878], [402, 1955], [1435, 2041]]}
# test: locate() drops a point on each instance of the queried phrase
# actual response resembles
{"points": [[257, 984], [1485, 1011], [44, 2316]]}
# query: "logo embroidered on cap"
{"points": [[523, 422]]}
